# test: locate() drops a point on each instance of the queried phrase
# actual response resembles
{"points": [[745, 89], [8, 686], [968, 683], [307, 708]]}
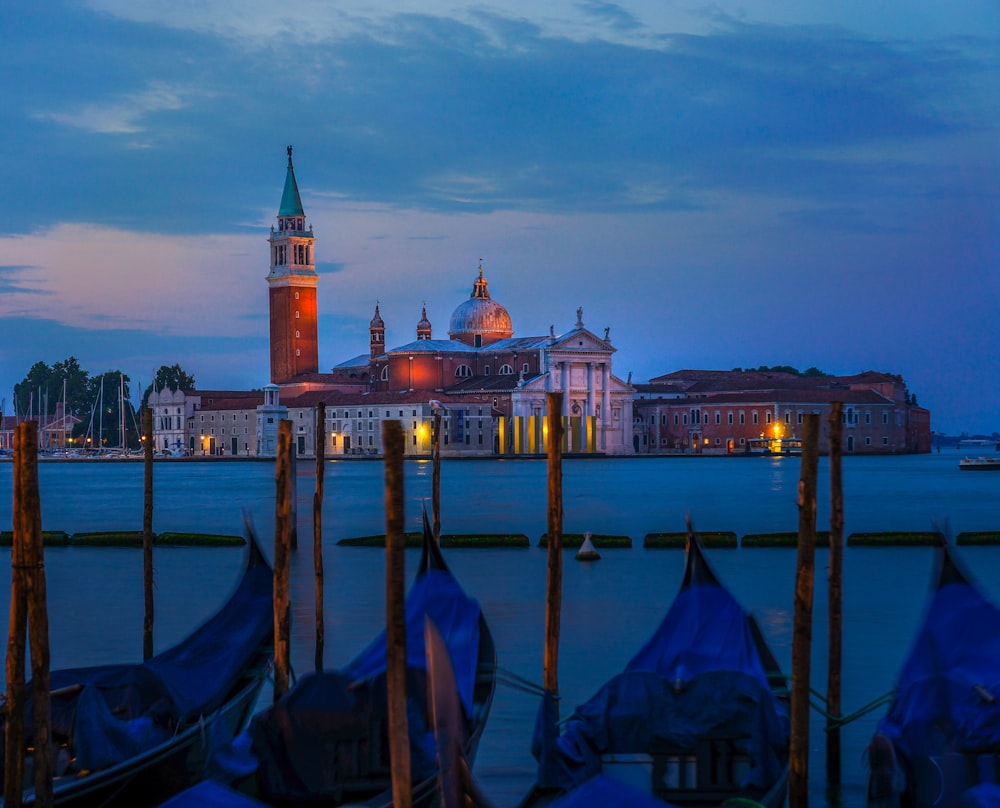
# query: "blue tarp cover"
{"points": [[115, 712], [435, 594], [948, 694], [300, 741], [699, 674]]}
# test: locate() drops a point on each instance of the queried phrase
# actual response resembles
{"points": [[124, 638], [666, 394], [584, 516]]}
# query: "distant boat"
{"points": [[774, 446], [979, 464]]}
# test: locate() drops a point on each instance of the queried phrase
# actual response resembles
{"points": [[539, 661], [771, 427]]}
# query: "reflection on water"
{"points": [[609, 609]]}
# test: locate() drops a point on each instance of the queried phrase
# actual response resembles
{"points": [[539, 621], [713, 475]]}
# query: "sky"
{"points": [[814, 184]]}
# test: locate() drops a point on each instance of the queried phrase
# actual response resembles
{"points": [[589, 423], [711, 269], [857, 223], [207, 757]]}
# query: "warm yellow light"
{"points": [[706, 441]]}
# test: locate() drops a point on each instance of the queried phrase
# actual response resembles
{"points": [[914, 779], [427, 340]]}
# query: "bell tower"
{"points": [[292, 288]]}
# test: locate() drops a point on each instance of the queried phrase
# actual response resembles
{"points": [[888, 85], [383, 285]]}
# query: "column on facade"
{"points": [[564, 385], [605, 404], [590, 388]]}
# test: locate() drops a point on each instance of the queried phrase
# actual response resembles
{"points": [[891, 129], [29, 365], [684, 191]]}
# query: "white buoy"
{"points": [[587, 551]]}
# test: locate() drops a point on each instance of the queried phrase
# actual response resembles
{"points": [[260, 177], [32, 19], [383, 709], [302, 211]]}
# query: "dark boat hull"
{"points": [[165, 770]]}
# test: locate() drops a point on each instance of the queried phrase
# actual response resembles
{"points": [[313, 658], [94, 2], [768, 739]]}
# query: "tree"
{"points": [[172, 376], [44, 386]]}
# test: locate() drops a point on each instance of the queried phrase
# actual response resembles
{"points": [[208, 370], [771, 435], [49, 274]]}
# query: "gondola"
{"points": [[325, 742], [699, 716], [939, 743], [133, 734]]}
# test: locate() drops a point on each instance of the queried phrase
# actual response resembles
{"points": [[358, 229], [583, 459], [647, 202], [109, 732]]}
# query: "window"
{"points": [[799, 419], [868, 440], [754, 416], [296, 314], [506, 370], [885, 417], [296, 295], [676, 419], [718, 417], [868, 417], [524, 367], [297, 335], [743, 420], [486, 370], [729, 417], [788, 416], [463, 371], [385, 373], [885, 440], [767, 417]]}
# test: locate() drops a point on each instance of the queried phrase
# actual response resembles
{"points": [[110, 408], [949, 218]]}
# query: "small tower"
{"points": [[424, 326], [376, 335], [292, 288]]}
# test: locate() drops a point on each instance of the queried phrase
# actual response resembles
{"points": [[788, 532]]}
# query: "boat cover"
{"points": [[606, 792], [700, 674], [208, 794], [115, 712], [948, 693], [295, 740]]}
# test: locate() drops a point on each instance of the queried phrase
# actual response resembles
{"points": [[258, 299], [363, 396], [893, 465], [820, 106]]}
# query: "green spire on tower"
{"points": [[291, 203]]}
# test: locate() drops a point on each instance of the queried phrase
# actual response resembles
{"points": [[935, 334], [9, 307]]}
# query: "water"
{"points": [[609, 608]]}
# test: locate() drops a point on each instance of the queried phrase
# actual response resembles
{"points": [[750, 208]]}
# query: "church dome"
{"points": [[480, 319], [424, 326], [377, 321]]}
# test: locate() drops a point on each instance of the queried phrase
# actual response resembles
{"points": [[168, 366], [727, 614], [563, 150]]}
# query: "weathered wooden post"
{"points": [[318, 529], [836, 596], [16, 639], [30, 529], [395, 616], [147, 533], [798, 754], [282, 548], [436, 476], [553, 589]]}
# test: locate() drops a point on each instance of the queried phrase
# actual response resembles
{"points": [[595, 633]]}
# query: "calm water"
{"points": [[609, 608]]}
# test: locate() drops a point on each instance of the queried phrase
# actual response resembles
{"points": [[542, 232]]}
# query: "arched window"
{"points": [[463, 370], [385, 373], [506, 370]]}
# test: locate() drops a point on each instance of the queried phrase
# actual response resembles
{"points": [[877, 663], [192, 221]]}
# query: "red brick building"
{"points": [[733, 412]]}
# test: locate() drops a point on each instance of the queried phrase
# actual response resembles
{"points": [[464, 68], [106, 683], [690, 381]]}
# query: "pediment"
{"points": [[582, 340]]}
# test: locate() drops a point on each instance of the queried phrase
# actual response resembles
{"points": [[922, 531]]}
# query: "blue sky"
{"points": [[810, 184]]}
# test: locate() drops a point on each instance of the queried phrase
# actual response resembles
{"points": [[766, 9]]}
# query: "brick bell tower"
{"points": [[292, 288]]}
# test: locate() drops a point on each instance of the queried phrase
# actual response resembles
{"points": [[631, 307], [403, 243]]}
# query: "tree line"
{"points": [[96, 400]]}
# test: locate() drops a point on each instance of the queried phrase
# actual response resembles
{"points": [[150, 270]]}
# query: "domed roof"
{"points": [[480, 316], [424, 322]]}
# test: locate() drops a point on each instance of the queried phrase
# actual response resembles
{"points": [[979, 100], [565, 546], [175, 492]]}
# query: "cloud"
{"points": [[125, 116], [610, 13], [88, 277]]}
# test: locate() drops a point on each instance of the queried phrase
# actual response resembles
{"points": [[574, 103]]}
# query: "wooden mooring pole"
{"points": [[318, 529], [553, 588], [395, 616], [836, 596], [798, 753], [16, 639], [436, 477], [282, 548], [147, 532], [28, 553]]}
